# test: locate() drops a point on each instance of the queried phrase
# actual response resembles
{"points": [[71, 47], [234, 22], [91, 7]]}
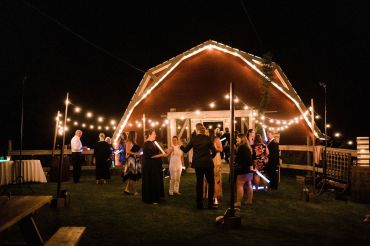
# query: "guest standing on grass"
{"points": [[102, 154], [176, 164], [203, 152], [152, 181], [226, 144], [273, 160], [243, 170], [133, 164], [217, 162], [120, 151], [76, 158], [109, 141], [260, 158]]}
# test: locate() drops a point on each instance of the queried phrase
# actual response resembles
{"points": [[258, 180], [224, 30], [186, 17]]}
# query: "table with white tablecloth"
{"points": [[6, 176], [25, 170], [31, 171]]}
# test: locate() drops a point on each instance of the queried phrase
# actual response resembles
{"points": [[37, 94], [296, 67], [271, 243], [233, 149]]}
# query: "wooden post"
{"points": [[308, 140], [143, 128], [55, 133], [232, 128], [10, 145], [62, 150], [232, 220], [313, 146], [10, 148]]}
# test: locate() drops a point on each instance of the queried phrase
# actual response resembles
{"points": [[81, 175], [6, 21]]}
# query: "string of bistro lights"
{"points": [[101, 121], [264, 121]]}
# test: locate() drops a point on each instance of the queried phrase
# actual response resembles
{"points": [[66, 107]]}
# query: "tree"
{"points": [[267, 69]]}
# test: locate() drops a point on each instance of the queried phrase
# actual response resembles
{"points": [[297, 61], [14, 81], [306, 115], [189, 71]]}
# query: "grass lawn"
{"points": [[276, 218]]}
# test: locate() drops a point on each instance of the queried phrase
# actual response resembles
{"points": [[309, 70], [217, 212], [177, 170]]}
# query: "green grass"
{"points": [[276, 218]]}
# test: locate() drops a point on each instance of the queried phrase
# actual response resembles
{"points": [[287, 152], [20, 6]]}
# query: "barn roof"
{"points": [[209, 67]]}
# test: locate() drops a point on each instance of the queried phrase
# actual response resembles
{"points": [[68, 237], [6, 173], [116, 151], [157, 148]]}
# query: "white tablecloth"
{"points": [[31, 170], [6, 176]]}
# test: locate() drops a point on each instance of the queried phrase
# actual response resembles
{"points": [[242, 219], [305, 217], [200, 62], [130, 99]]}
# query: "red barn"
{"points": [[193, 87]]}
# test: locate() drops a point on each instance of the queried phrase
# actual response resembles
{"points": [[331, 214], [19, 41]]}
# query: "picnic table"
{"points": [[20, 210]]}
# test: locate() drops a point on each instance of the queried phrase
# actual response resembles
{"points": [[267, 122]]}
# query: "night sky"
{"points": [[95, 50]]}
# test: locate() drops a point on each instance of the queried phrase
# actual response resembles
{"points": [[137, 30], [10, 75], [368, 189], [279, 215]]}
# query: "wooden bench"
{"points": [[21, 210], [66, 236]]}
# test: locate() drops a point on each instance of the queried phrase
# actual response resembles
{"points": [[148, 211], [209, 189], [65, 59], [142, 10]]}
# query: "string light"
{"points": [[88, 114], [284, 123], [171, 65]]}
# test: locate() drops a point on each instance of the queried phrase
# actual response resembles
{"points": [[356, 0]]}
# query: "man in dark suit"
{"points": [[203, 149], [273, 160]]}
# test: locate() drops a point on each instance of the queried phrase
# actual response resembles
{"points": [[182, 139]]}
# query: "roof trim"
{"points": [[145, 89]]}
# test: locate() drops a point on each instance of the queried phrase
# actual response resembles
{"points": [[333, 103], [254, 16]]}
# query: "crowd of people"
{"points": [[209, 149]]}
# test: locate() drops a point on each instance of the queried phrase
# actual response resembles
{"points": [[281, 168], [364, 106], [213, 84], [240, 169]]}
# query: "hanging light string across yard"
{"points": [[100, 120]]}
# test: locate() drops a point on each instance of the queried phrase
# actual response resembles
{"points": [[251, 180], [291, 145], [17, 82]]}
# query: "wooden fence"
{"points": [[299, 157], [339, 162]]}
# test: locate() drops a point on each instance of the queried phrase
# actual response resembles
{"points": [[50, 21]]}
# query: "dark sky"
{"points": [[312, 41]]}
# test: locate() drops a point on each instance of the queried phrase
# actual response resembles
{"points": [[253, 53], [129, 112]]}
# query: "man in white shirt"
{"points": [[76, 148]]}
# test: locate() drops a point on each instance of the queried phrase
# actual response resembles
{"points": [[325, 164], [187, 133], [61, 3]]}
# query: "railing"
{"points": [[47, 153], [339, 162], [338, 168]]}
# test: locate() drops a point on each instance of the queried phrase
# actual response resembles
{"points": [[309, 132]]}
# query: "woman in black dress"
{"points": [[152, 175], [102, 154]]}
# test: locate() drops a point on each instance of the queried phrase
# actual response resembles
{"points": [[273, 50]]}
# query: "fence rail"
{"points": [[339, 161]]}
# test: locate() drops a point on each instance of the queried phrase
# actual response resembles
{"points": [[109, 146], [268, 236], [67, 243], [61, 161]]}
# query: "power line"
{"points": [[81, 37], [251, 23]]}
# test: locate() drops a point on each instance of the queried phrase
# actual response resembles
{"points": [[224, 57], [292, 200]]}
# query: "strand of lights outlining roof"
{"points": [[196, 51]]}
